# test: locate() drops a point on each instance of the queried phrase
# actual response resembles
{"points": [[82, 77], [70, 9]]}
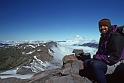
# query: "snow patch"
{"points": [[39, 50], [30, 52], [38, 65], [31, 46], [44, 45]]}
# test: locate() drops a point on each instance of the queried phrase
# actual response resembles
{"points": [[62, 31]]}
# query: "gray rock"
{"points": [[72, 68], [78, 51], [13, 80], [68, 79], [69, 58]]}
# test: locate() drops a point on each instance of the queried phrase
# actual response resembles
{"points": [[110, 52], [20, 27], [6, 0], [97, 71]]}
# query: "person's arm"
{"points": [[100, 45], [99, 48]]}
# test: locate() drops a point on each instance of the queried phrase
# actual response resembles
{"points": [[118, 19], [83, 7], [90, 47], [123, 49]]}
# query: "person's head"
{"points": [[104, 25]]}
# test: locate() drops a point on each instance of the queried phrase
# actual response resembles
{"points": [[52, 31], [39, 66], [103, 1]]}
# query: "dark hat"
{"points": [[104, 22]]}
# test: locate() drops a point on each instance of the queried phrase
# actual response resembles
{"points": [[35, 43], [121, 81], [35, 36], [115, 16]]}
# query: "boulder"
{"points": [[13, 80], [54, 76], [68, 79], [78, 51], [42, 76], [80, 55], [69, 58], [72, 68]]}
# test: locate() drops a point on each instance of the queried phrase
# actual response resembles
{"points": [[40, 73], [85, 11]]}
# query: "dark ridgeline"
{"points": [[12, 56], [93, 45]]}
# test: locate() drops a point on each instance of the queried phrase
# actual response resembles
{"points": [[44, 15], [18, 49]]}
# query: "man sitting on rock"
{"points": [[110, 51]]}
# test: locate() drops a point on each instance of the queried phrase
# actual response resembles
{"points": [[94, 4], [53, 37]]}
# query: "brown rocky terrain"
{"points": [[69, 73], [23, 54]]}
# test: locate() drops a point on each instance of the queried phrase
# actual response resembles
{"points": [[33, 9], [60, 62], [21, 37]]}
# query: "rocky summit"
{"points": [[68, 73]]}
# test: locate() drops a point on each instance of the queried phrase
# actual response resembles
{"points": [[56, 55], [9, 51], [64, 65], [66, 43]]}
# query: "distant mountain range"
{"points": [[1, 44], [80, 41], [21, 42], [15, 55], [76, 41], [93, 45]]}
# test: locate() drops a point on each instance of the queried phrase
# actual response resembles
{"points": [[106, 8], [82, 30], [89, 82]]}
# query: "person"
{"points": [[106, 54]]}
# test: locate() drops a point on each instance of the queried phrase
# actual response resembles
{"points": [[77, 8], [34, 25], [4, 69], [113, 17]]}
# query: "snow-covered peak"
{"points": [[21, 42]]}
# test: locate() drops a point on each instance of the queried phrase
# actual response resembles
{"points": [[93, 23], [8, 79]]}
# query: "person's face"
{"points": [[104, 29]]}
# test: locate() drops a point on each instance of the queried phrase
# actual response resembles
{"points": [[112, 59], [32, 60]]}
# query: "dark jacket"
{"points": [[111, 46]]}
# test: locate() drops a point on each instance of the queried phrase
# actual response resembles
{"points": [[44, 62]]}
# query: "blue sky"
{"points": [[56, 19]]}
